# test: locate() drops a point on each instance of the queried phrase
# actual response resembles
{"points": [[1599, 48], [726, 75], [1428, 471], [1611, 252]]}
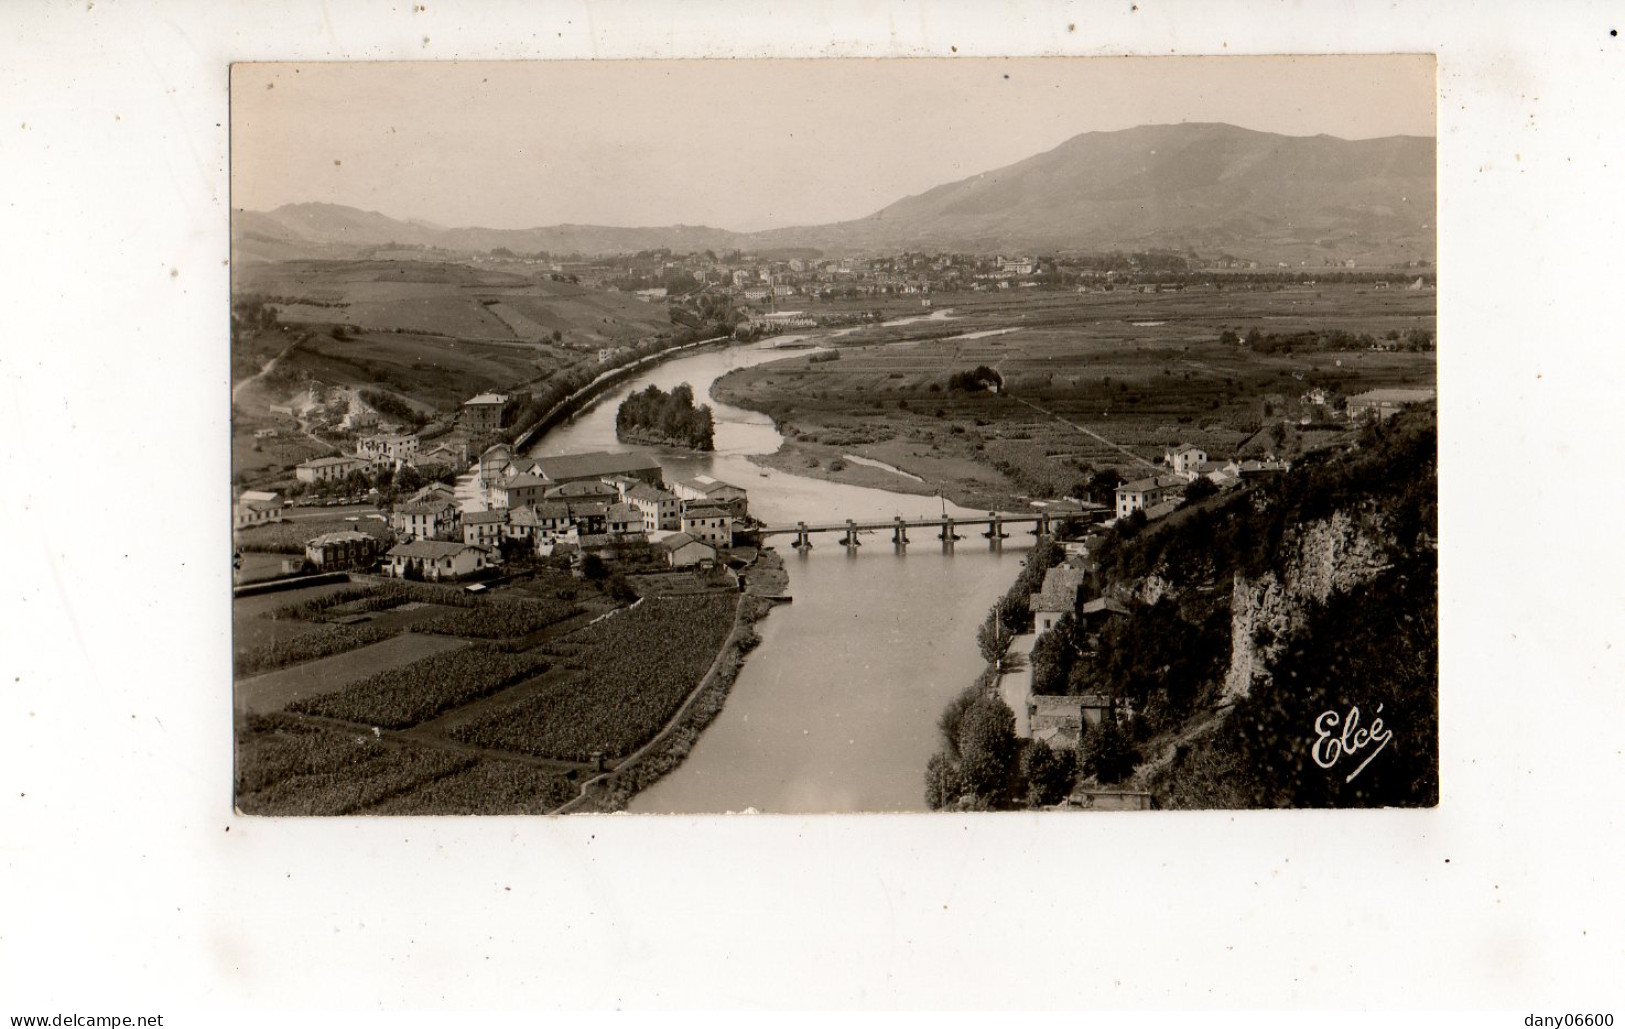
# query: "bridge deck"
{"points": [[907, 523]]}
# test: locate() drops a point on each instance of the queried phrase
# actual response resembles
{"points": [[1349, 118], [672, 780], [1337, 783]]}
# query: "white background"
{"points": [[127, 885]]}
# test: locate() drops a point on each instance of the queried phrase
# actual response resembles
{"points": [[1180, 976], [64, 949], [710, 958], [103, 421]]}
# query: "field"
{"points": [[378, 724], [633, 670], [429, 335], [1144, 371], [448, 299], [403, 697], [290, 537], [275, 690]]}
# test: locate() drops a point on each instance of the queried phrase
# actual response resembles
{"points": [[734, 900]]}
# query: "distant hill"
{"points": [[333, 230], [1209, 187], [1213, 188]]}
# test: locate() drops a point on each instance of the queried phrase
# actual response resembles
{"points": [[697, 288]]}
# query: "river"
{"points": [[836, 710]]}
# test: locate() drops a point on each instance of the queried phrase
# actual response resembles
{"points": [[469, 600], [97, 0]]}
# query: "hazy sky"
{"points": [[744, 145]]}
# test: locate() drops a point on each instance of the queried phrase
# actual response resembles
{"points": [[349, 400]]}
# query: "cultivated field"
{"points": [[448, 298], [384, 697], [1144, 371]]}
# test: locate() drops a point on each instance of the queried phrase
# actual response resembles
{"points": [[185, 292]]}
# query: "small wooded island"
{"points": [[654, 417]]}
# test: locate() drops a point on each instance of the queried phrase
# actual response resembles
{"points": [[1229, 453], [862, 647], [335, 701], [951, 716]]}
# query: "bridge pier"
{"points": [[851, 535], [995, 527], [947, 535], [899, 534], [1041, 527], [802, 541]]}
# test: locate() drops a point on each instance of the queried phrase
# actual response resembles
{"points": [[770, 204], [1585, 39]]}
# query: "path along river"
{"points": [[837, 709]]}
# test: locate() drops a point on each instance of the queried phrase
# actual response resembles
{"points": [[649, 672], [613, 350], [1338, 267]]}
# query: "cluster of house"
{"points": [[563, 504], [1059, 721], [1160, 495], [381, 449]]}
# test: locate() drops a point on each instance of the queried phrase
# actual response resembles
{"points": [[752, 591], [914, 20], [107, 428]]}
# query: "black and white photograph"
{"points": [[695, 512], [1060, 435]]}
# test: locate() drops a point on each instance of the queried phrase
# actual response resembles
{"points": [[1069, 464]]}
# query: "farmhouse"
{"points": [[336, 551], [433, 559], [388, 448], [710, 525], [256, 507], [661, 510], [1059, 596], [518, 491], [684, 551], [623, 520], [328, 469], [493, 461], [484, 413], [485, 528], [1385, 403], [704, 490], [589, 517], [433, 493], [1057, 721], [1184, 460], [445, 453], [1144, 493], [425, 519], [538, 522]]}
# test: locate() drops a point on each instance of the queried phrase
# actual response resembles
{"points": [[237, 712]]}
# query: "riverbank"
{"points": [[903, 451], [765, 580]]}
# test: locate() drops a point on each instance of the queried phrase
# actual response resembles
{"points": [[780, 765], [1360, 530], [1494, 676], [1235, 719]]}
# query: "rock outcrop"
{"points": [[1322, 557]]}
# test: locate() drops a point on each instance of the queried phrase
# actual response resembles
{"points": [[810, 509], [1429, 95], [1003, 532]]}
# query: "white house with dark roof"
{"points": [[662, 510], [484, 413], [623, 520], [425, 519], [256, 507], [1145, 493], [485, 528], [684, 551], [1057, 597], [539, 522], [328, 469], [519, 490], [1385, 403], [435, 559], [710, 525], [391, 448], [1184, 460], [704, 490]]}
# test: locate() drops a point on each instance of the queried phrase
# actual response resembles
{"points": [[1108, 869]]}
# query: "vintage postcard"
{"points": [[834, 435]]}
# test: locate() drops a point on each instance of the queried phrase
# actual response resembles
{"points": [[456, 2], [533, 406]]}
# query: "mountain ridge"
{"points": [[1207, 186]]}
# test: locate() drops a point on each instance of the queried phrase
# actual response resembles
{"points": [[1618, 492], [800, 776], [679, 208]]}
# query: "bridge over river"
{"points": [[945, 526]]}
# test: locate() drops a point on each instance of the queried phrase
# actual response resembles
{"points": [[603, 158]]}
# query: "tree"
{"points": [[1052, 656], [1199, 490], [1111, 755], [943, 783], [408, 479], [593, 568], [987, 740], [1049, 774], [1102, 485]]}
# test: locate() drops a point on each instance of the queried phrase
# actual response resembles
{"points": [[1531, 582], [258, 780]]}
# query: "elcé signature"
{"points": [[1350, 739]]}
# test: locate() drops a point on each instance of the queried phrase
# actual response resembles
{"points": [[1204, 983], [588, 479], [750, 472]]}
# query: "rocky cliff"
{"points": [[1323, 557]]}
